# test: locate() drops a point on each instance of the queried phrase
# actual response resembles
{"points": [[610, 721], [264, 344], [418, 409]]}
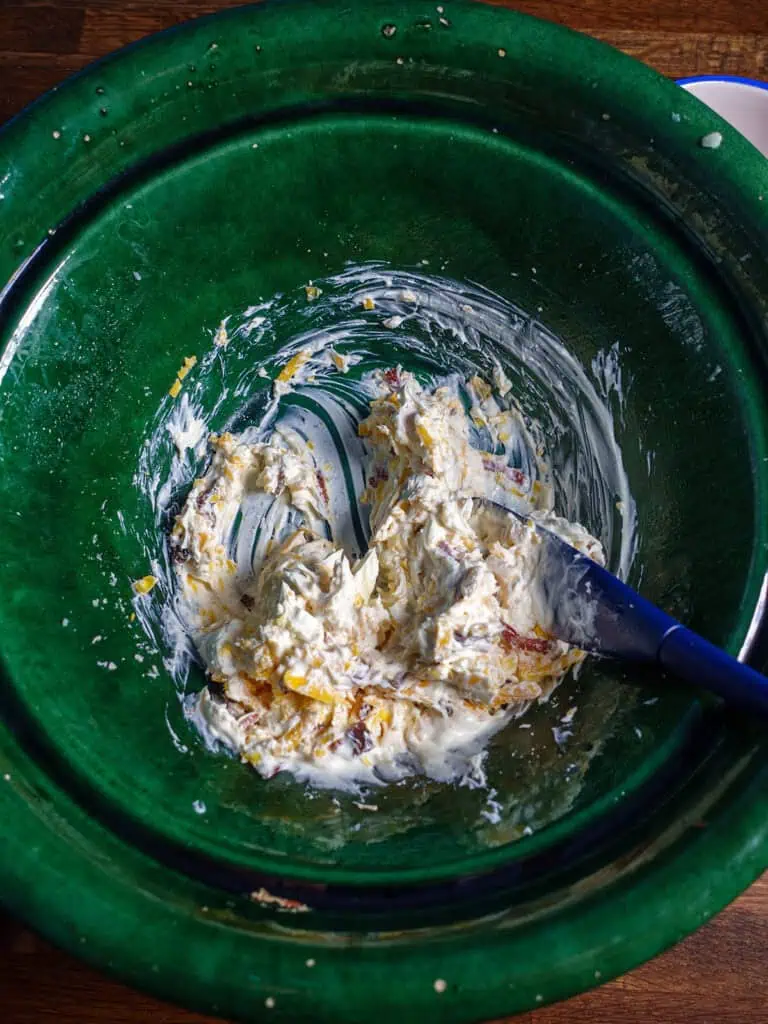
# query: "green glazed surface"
{"points": [[204, 170]]}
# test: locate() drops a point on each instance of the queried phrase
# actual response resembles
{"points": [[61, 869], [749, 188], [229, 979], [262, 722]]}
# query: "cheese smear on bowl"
{"points": [[405, 661]]}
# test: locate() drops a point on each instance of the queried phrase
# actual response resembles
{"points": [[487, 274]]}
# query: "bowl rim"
{"points": [[755, 83], [53, 871]]}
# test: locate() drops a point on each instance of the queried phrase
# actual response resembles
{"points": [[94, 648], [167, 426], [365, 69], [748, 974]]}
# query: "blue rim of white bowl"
{"points": [[735, 79]]}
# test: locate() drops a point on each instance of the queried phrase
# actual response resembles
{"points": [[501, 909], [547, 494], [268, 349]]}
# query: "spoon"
{"points": [[594, 610]]}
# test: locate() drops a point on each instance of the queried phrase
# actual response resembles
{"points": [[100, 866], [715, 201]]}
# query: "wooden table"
{"points": [[718, 975]]}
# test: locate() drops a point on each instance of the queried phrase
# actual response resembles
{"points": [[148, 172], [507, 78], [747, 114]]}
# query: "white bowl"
{"points": [[741, 101]]}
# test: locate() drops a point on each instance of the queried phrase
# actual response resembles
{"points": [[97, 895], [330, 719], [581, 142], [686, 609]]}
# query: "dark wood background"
{"points": [[720, 974]]}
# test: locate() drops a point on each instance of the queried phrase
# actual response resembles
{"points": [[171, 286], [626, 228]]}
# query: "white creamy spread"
{"points": [[404, 661]]}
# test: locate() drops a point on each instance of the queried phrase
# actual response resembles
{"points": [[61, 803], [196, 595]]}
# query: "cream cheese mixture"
{"points": [[406, 660]]}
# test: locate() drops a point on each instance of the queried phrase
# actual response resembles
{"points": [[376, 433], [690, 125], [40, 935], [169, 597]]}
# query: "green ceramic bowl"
{"points": [[193, 175]]}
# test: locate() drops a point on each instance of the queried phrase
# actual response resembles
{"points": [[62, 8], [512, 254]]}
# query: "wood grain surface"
{"points": [[717, 976]]}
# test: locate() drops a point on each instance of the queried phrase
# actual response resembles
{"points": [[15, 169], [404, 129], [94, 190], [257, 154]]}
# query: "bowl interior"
{"points": [[142, 276]]}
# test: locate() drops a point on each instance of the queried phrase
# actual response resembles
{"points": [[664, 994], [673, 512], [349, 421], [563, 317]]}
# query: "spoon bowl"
{"points": [[592, 609]]}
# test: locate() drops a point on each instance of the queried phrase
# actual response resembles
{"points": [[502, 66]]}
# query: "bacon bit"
{"points": [[247, 601], [252, 718], [360, 738], [512, 640], [379, 476], [321, 484], [392, 377], [266, 898], [517, 476]]}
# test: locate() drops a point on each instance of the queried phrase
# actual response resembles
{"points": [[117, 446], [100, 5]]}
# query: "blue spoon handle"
{"points": [[597, 611], [697, 661]]}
